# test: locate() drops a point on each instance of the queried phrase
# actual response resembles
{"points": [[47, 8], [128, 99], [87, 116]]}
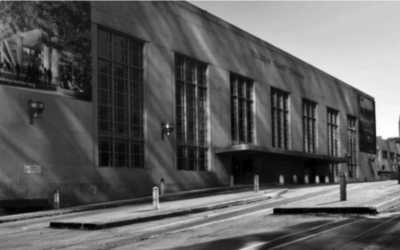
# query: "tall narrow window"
{"points": [[392, 161], [280, 118], [242, 102], [120, 100], [352, 146], [333, 132], [309, 126], [333, 138], [191, 114]]}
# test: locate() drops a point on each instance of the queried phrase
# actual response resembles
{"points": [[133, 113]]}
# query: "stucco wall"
{"points": [[169, 27], [65, 140], [60, 142]]}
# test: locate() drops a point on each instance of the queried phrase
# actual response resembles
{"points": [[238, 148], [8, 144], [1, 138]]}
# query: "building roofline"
{"points": [[191, 7]]}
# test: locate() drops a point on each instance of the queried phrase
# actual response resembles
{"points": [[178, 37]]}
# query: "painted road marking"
{"points": [[266, 242], [250, 214]]}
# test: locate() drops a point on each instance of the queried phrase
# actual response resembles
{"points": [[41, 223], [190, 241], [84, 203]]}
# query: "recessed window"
{"points": [[191, 114], [280, 118], [352, 146], [242, 104], [309, 126], [120, 100], [333, 131]]}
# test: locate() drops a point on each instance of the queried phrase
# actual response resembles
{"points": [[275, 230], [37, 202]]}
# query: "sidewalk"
{"points": [[127, 215], [362, 198], [367, 197], [236, 194]]}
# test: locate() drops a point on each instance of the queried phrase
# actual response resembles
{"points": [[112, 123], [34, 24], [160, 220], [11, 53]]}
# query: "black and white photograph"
{"points": [[199, 125]]}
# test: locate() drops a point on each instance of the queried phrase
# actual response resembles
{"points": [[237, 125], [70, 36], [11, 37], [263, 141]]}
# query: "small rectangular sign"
{"points": [[32, 168]]}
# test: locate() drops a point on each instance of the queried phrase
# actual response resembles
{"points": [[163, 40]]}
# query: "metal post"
{"points": [[162, 187], [256, 186], [281, 180], [232, 181], [156, 201], [398, 173], [56, 200], [343, 186]]}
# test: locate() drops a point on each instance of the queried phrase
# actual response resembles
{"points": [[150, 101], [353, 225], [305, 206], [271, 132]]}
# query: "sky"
{"points": [[356, 42]]}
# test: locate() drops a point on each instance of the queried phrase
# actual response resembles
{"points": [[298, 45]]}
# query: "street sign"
{"points": [[30, 168]]}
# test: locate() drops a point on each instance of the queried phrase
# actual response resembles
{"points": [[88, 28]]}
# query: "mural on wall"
{"points": [[46, 45], [367, 125]]}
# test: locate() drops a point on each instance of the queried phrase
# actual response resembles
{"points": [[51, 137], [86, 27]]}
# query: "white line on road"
{"points": [[311, 236], [250, 214], [365, 232], [323, 232], [207, 216], [220, 221], [263, 243], [227, 212]]}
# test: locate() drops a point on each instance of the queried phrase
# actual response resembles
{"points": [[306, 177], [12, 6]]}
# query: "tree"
{"points": [[66, 28]]}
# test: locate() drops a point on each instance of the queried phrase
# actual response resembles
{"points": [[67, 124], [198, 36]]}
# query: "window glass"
{"points": [[120, 101]]}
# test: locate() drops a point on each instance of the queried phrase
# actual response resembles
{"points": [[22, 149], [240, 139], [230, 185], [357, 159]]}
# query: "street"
{"points": [[250, 226]]}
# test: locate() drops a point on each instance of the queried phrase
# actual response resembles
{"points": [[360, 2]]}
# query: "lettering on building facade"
{"points": [[260, 57], [277, 65]]}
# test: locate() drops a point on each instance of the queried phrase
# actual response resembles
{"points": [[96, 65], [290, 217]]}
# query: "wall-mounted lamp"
{"points": [[35, 110], [371, 159], [166, 128]]}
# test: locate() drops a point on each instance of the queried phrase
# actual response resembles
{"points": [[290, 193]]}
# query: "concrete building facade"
{"points": [[239, 107]]}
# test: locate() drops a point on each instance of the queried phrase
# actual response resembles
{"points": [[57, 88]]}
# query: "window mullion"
{"points": [[113, 127]]}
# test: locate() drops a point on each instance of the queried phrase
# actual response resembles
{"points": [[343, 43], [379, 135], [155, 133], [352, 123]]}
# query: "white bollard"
{"points": [[335, 179], [281, 180], [256, 184], [306, 179], [56, 200], [156, 201], [317, 179], [326, 179], [162, 187], [294, 179], [232, 181]]}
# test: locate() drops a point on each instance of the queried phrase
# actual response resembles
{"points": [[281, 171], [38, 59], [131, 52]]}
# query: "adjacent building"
{"points": [[176, 95]]}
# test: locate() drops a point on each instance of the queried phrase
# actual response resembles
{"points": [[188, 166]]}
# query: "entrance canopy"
{"points": [[253, 149]]}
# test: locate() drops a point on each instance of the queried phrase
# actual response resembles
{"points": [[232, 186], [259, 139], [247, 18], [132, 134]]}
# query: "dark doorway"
{"points": [[309, 169], [242, 170]]}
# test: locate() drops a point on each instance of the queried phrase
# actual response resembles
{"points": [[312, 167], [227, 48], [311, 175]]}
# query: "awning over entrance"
{"points": [[253, 149]]}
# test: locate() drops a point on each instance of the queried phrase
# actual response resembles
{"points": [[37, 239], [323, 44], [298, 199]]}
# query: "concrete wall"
{"points": [[389, 147], [169, 27], [65, 140], [61, 142]]}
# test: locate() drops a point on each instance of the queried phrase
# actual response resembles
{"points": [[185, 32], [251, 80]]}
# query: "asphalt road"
{"points": [[244, 227]]}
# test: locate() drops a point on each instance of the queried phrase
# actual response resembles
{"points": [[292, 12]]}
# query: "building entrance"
{"points": [[309, 169], [242, 170]]}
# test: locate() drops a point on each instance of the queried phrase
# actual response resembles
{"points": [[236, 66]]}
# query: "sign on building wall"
{"points": [[367, 125], [30, 168]]}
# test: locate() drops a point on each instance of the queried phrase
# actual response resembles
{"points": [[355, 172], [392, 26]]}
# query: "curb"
{"points": [[97, 226], [326, 210], [358, 209], [84, 208], [388, 204]]}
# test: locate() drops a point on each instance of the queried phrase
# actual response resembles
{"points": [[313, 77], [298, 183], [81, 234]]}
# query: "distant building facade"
{"points": [[239, 107]]}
